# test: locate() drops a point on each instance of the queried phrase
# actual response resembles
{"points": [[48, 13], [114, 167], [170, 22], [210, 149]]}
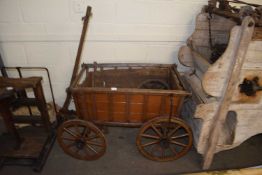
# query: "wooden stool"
{"points": [[20, 84]]}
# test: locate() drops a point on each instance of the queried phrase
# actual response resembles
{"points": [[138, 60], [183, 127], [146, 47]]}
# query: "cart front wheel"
{"points": [[163, 139], [81, 139]]}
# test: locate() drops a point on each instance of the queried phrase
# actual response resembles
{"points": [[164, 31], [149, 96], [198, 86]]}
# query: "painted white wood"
{"points": [[247, 108]]}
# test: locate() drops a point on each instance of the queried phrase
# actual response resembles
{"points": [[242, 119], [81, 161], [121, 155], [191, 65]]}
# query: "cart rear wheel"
{"points": [[81, 139], [161, 139], [154, 84]]}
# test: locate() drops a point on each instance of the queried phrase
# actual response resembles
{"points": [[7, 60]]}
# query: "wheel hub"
{"points": [[80, 143], [164, 143]]}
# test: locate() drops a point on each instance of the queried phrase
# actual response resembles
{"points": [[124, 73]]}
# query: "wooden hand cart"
{"points": [[133, 95]]}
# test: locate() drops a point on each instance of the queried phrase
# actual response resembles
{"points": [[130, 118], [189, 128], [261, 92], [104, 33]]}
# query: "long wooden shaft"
{"points": [[78, 58], [234, 70]]}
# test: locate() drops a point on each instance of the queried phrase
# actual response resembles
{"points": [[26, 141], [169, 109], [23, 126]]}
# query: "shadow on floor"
{"points": [[123, 158]]}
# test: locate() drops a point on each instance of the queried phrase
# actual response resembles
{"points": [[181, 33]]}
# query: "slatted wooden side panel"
{"points": [[123, 107]]}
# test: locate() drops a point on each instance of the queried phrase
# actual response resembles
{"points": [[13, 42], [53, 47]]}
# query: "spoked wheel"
{"points": [[161, 139], [81, 139], [154, 84]]}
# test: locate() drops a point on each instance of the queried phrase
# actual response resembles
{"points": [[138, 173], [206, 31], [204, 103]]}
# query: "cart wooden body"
{"points": [[112, 95], [149, 96]]}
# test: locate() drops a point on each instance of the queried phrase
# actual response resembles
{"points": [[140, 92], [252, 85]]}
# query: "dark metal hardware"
{"points": [[250, 87]]}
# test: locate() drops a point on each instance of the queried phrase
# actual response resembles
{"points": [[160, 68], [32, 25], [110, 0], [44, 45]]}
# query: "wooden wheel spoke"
{"points": [[91, 148], [69, 139], [71, 132], [94, 143], [150, 136], [81, 139], [164, 129], [173, 150], [169, 139], [156, 130], [70, 145], [92, 138], [173, 131], [180, 136], [87, 153], [77, 129], [178, 143], [77, 151], [150, 143], [84, 133], [153, 149], [162, 151]]}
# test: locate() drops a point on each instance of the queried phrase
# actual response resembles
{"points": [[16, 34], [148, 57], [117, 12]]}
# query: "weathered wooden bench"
{"points": [[221, 116]]}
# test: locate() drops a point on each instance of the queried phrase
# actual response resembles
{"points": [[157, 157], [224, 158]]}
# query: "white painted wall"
{"points": [[47, 32]]}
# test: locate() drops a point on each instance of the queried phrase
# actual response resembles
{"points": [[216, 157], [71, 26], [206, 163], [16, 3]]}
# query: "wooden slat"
{"points": [[162, 109], [94, 110], [30, 82], [145, 107], [110, 107], [127, 116], [130, 90]]}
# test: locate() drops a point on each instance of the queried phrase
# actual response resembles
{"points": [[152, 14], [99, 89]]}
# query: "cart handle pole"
{"points": [[86, 18]]}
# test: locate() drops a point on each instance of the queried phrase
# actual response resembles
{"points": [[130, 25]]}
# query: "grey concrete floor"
{"points": [[122, 157]]}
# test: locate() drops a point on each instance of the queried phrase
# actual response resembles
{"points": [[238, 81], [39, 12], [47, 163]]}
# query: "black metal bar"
{"points": [[27, 119], [3, 71], [19, 72]]}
